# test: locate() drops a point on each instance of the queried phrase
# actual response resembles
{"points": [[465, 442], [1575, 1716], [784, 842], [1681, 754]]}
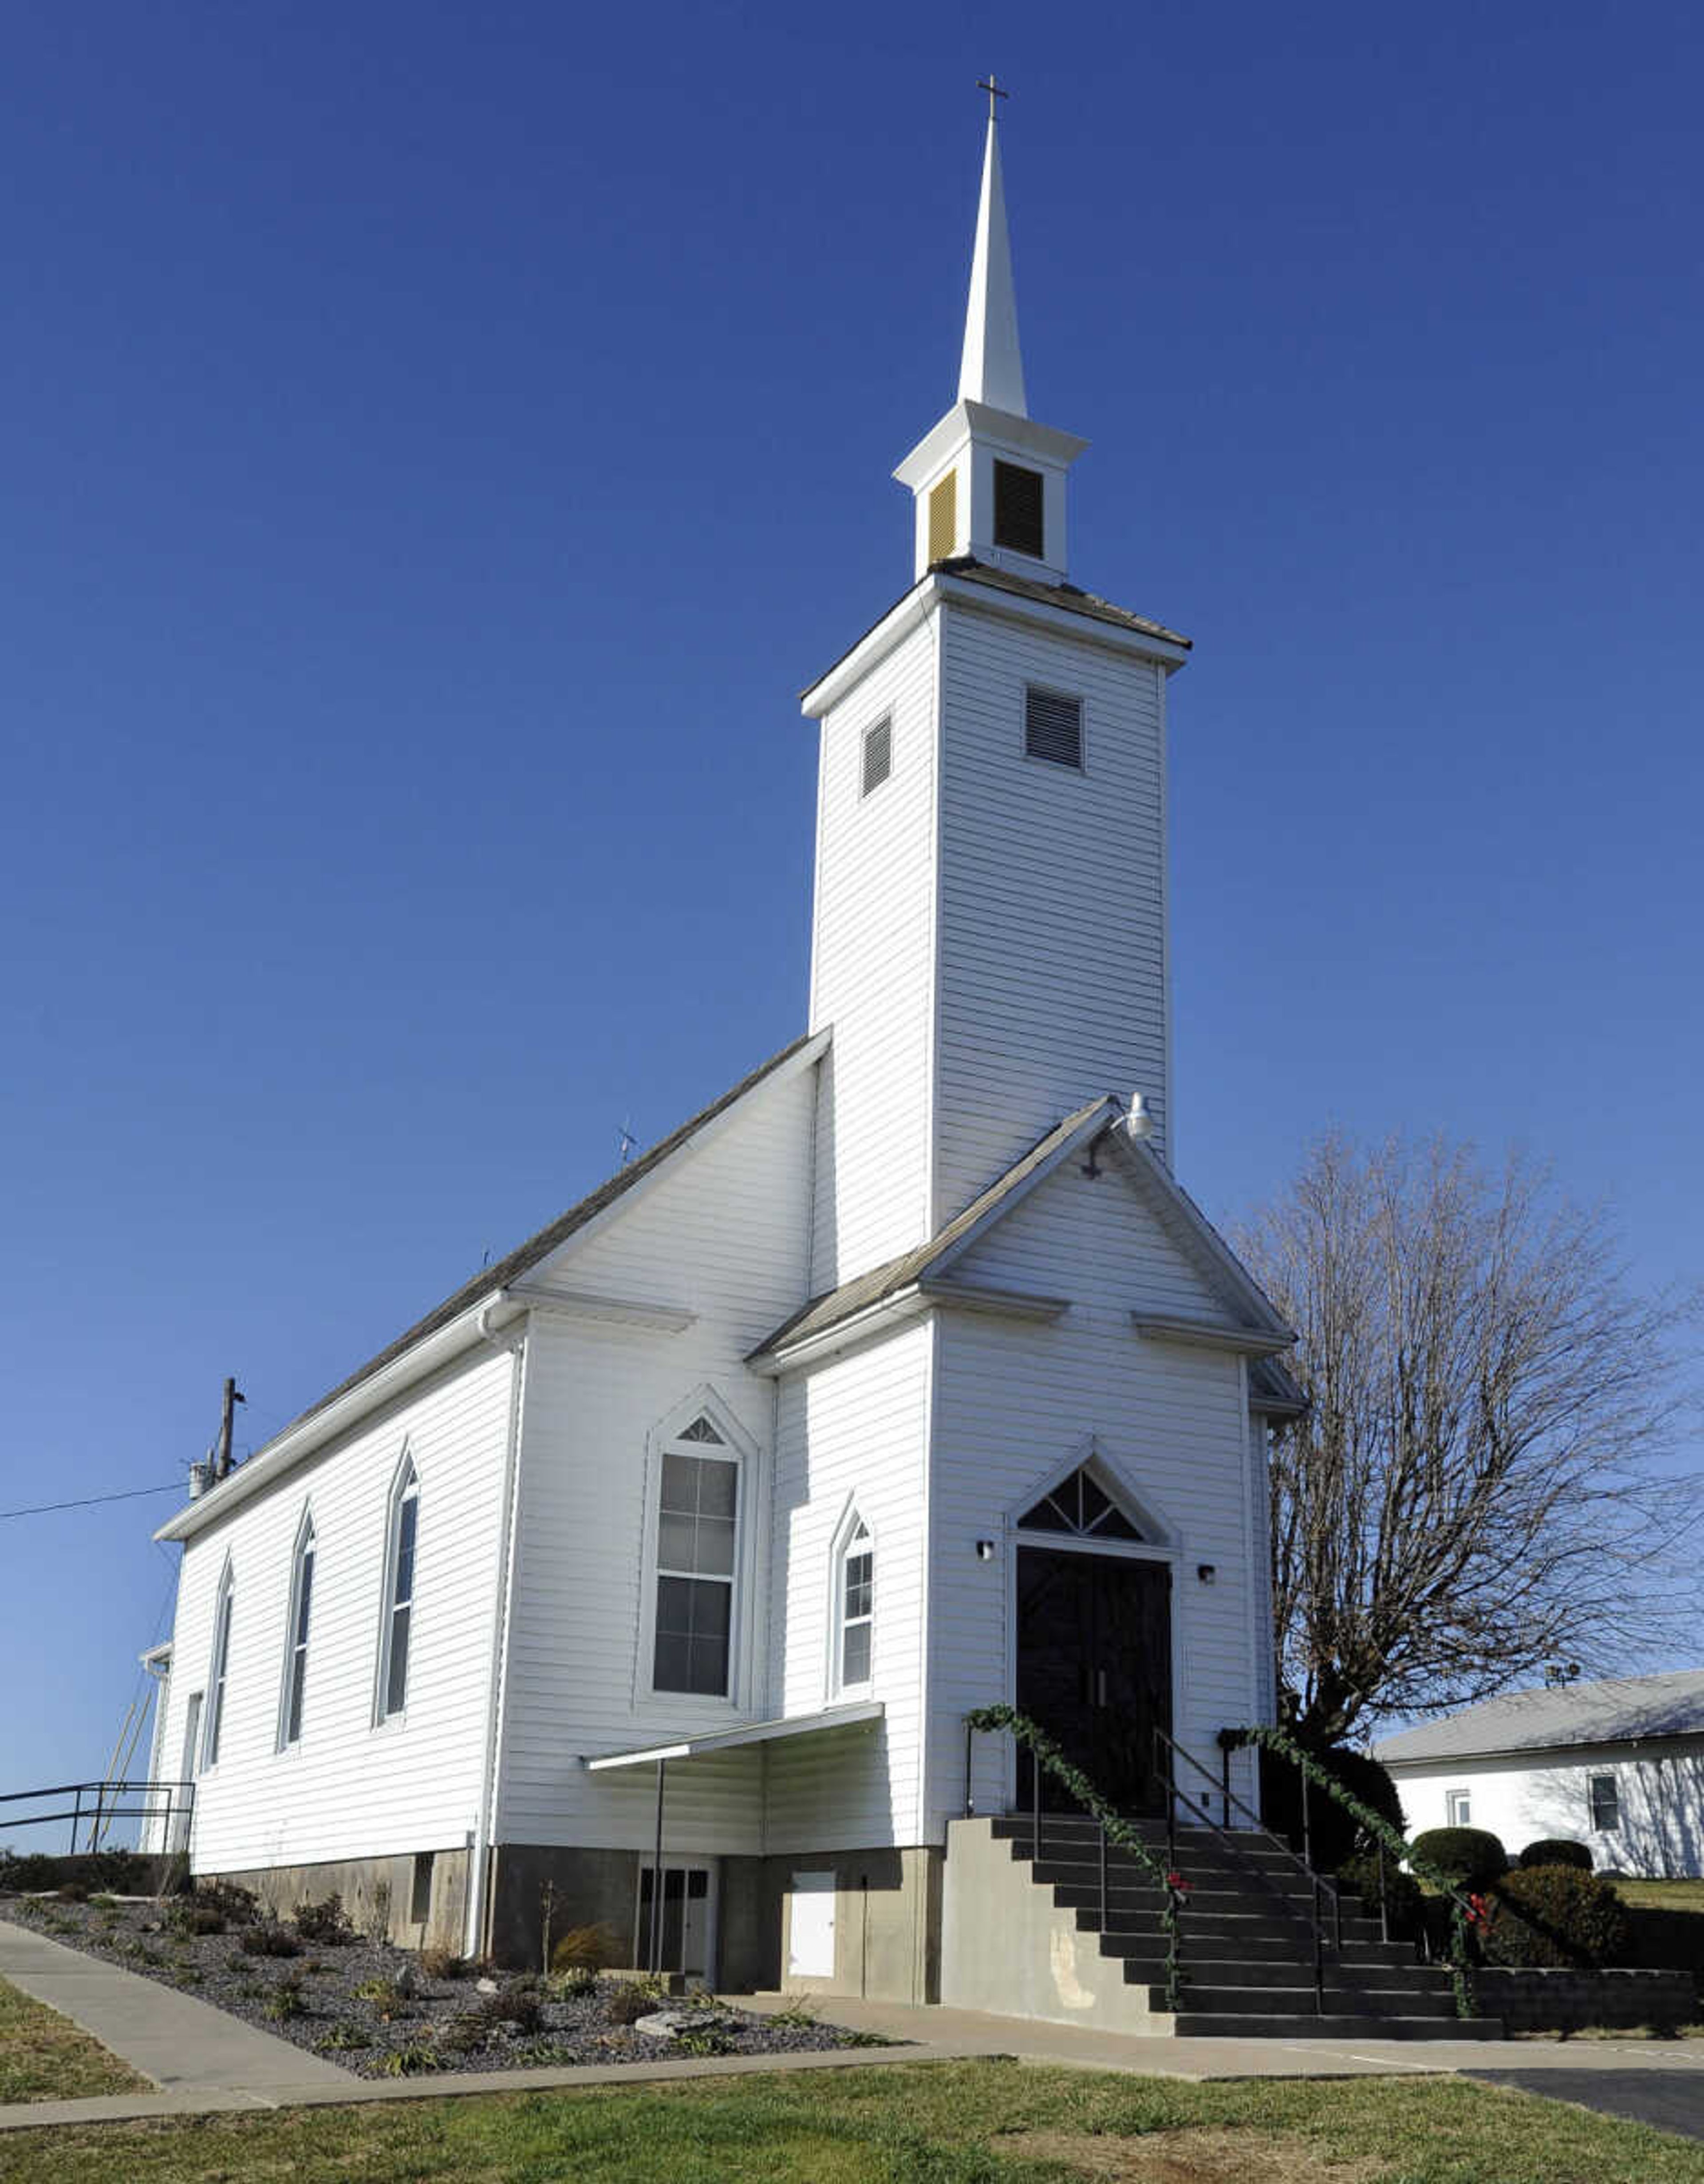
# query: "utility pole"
{"points": [[227, 1416]]}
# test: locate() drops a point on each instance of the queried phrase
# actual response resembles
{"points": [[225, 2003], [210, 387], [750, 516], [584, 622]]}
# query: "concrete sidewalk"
{"points": [[205, 2061]]}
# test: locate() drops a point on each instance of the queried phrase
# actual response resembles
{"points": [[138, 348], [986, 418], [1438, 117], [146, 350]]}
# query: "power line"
{"points": [[88, 1501]]}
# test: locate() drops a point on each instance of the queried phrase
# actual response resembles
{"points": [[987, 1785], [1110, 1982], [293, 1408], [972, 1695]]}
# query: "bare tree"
{"points": [[1484, 1480]]}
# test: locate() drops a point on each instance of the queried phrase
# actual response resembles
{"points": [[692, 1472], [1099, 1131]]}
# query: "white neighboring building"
{"points": [[902, 1379], [1618, 1765]]}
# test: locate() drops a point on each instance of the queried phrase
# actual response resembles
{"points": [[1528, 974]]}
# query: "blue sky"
{"points": [[439, 444]]}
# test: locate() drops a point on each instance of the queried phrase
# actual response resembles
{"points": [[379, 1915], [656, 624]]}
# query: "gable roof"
{"points": [[1183, 1219], [1619, 1710], [489, 1283]]}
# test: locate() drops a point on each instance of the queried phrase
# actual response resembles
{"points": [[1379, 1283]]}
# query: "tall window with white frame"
{"points": [[855, 1589], [296, 1642], [697, 1530], [218, 1670], [398, 1592]]}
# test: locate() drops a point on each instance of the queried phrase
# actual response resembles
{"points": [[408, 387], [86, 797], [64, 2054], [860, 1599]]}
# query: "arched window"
{"points": [[398, 1592], [218, 1669], [854, 1606], [697, 1530], [296, 1634], [1083, 1506]]}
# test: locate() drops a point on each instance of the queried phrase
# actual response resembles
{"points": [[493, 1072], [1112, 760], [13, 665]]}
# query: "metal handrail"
{"points": [[1168, 1751], [100, 1802]]}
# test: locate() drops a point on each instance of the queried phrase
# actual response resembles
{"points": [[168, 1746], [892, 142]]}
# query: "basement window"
{"points": [[1053, 728], [877, 753], [1018, 524], [420, 1892]]}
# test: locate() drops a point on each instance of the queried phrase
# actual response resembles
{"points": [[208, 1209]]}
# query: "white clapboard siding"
{"points": [[348, 1789], [854, 1431], [1015, 1402], [1521, 1798], [1052, 949], [872, 970], [723, 1235]]}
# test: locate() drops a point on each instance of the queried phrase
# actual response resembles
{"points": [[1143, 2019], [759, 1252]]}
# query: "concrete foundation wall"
{"points": [[887, 1923], [1005, 1948], [378, 1893], [590, 1887]]}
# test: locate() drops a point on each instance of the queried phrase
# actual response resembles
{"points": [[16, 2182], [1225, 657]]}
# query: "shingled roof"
{"points": [[1620, 1710], [1070, 599]]}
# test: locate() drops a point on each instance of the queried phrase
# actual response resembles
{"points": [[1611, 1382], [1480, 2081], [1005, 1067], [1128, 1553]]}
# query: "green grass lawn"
{"points": [[43, 2057], [1662, 1895], [946, 2123]]}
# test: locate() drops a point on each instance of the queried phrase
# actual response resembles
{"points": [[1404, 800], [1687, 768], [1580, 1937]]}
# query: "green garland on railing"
{"points": [[1461, 1912], [991, 1719]]}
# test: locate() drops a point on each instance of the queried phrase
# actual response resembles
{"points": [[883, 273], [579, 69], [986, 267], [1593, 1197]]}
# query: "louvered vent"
{"points": [[877, 754], [1053, 728], [1018, 509], [943, 518]]}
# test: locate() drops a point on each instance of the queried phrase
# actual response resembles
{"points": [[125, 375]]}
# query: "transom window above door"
{"points": [[1079, 1505]]}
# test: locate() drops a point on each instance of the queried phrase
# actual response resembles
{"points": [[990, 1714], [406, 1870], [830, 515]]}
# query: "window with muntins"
{"points": [[296, 1647], [697, 1526], [1079, 1504], [1018, 502], [1053, 728], [878, 753], [1605, 1804], [1458, 1807], [857, 1592], [218, 1670], [399, 1609]]}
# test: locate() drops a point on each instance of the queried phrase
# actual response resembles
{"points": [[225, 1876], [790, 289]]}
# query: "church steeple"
{"points": [[988, 482], [992, 369]]}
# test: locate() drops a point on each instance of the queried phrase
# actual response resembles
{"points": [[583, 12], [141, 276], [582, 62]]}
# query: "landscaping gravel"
{"points": [[369, 2006]]}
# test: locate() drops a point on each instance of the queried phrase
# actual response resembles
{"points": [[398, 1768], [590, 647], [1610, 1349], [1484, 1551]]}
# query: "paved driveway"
{"points": [[1671, 2099]]}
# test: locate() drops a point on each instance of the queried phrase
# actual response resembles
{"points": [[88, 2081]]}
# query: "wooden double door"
{"points": [[1094, 1670]]}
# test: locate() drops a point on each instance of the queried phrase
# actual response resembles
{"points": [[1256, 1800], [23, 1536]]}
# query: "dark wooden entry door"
{"points": [[1094, 1670]]}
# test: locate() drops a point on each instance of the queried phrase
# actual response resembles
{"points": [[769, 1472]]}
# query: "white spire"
{"points": [[992, 370]]}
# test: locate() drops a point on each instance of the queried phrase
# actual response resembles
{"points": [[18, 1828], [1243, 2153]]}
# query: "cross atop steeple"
{"points": [[987, 83]]}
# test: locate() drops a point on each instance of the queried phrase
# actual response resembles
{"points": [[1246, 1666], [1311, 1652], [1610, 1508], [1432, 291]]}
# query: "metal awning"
{"points": [[752, 1732]]}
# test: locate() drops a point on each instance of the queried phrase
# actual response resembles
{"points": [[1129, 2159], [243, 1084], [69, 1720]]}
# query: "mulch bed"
{"points": [[370, 2007]]}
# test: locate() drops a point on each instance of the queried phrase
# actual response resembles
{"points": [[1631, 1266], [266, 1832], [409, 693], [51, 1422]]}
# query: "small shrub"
{"points": [[630, 2002], [104, 1903], [190, 1917], [375, 1920], [443, 1964], [268, 1941], [1403, 1894], [385, 1995], [705, 2040], [1554, 1916], [1556, 1850], [188, 1975], [237, 1906], [573, 1985], [345, 2034], [1468, 1857], [865, 2040], [518, 2004], [411, 2061], [324, 1922], [586, 1948], [27, 1873], [72, 1891], [796, 2017], [286, 1999], [468, 2028]]}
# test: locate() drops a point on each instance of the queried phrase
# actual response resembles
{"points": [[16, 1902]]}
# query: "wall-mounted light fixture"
{"points": [[1207, 1572], [984, 1550]]}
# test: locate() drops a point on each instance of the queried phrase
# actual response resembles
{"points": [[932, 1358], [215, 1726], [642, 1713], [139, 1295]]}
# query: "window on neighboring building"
{"points": [[1605, 1804], [296, 1646], [398, 1592], [218, 1670], [878, 753], [697, 1521], [1018, 502], [1053, 728], [1458, 1809], [856, 1591]]}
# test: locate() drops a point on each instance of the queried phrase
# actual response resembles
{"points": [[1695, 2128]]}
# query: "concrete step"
{"points": [[1259, 1917], [1296, 1998], [1221, 1972], [1122, 1939], [1254, 2025]]}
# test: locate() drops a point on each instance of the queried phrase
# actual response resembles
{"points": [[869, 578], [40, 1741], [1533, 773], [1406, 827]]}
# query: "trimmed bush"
{"points": [[324, 1922], [436, 1963], [630, 2002], [236, 1907], [1470, 1858], [1403, 1894], [1334, 1833], [1556, 1850], [1554, 1917], [190, 1918], [268, 1941]]}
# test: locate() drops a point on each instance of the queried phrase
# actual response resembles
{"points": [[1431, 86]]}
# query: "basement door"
{"points": [[1094, 1670]]}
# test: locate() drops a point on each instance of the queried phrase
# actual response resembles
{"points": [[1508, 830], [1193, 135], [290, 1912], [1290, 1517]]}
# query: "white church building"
{"points": [[904, 1379]]}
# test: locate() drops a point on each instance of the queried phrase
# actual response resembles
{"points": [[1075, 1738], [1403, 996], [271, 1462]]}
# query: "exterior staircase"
{"points": [[1248, 1949]]}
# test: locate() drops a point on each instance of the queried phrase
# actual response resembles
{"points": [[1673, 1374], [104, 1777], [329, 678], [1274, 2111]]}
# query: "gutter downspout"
{"points": [[481, 1848]]}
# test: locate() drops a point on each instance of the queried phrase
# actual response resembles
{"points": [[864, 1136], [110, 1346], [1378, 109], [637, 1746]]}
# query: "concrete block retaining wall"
{"points": [[1570, 2001]]}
